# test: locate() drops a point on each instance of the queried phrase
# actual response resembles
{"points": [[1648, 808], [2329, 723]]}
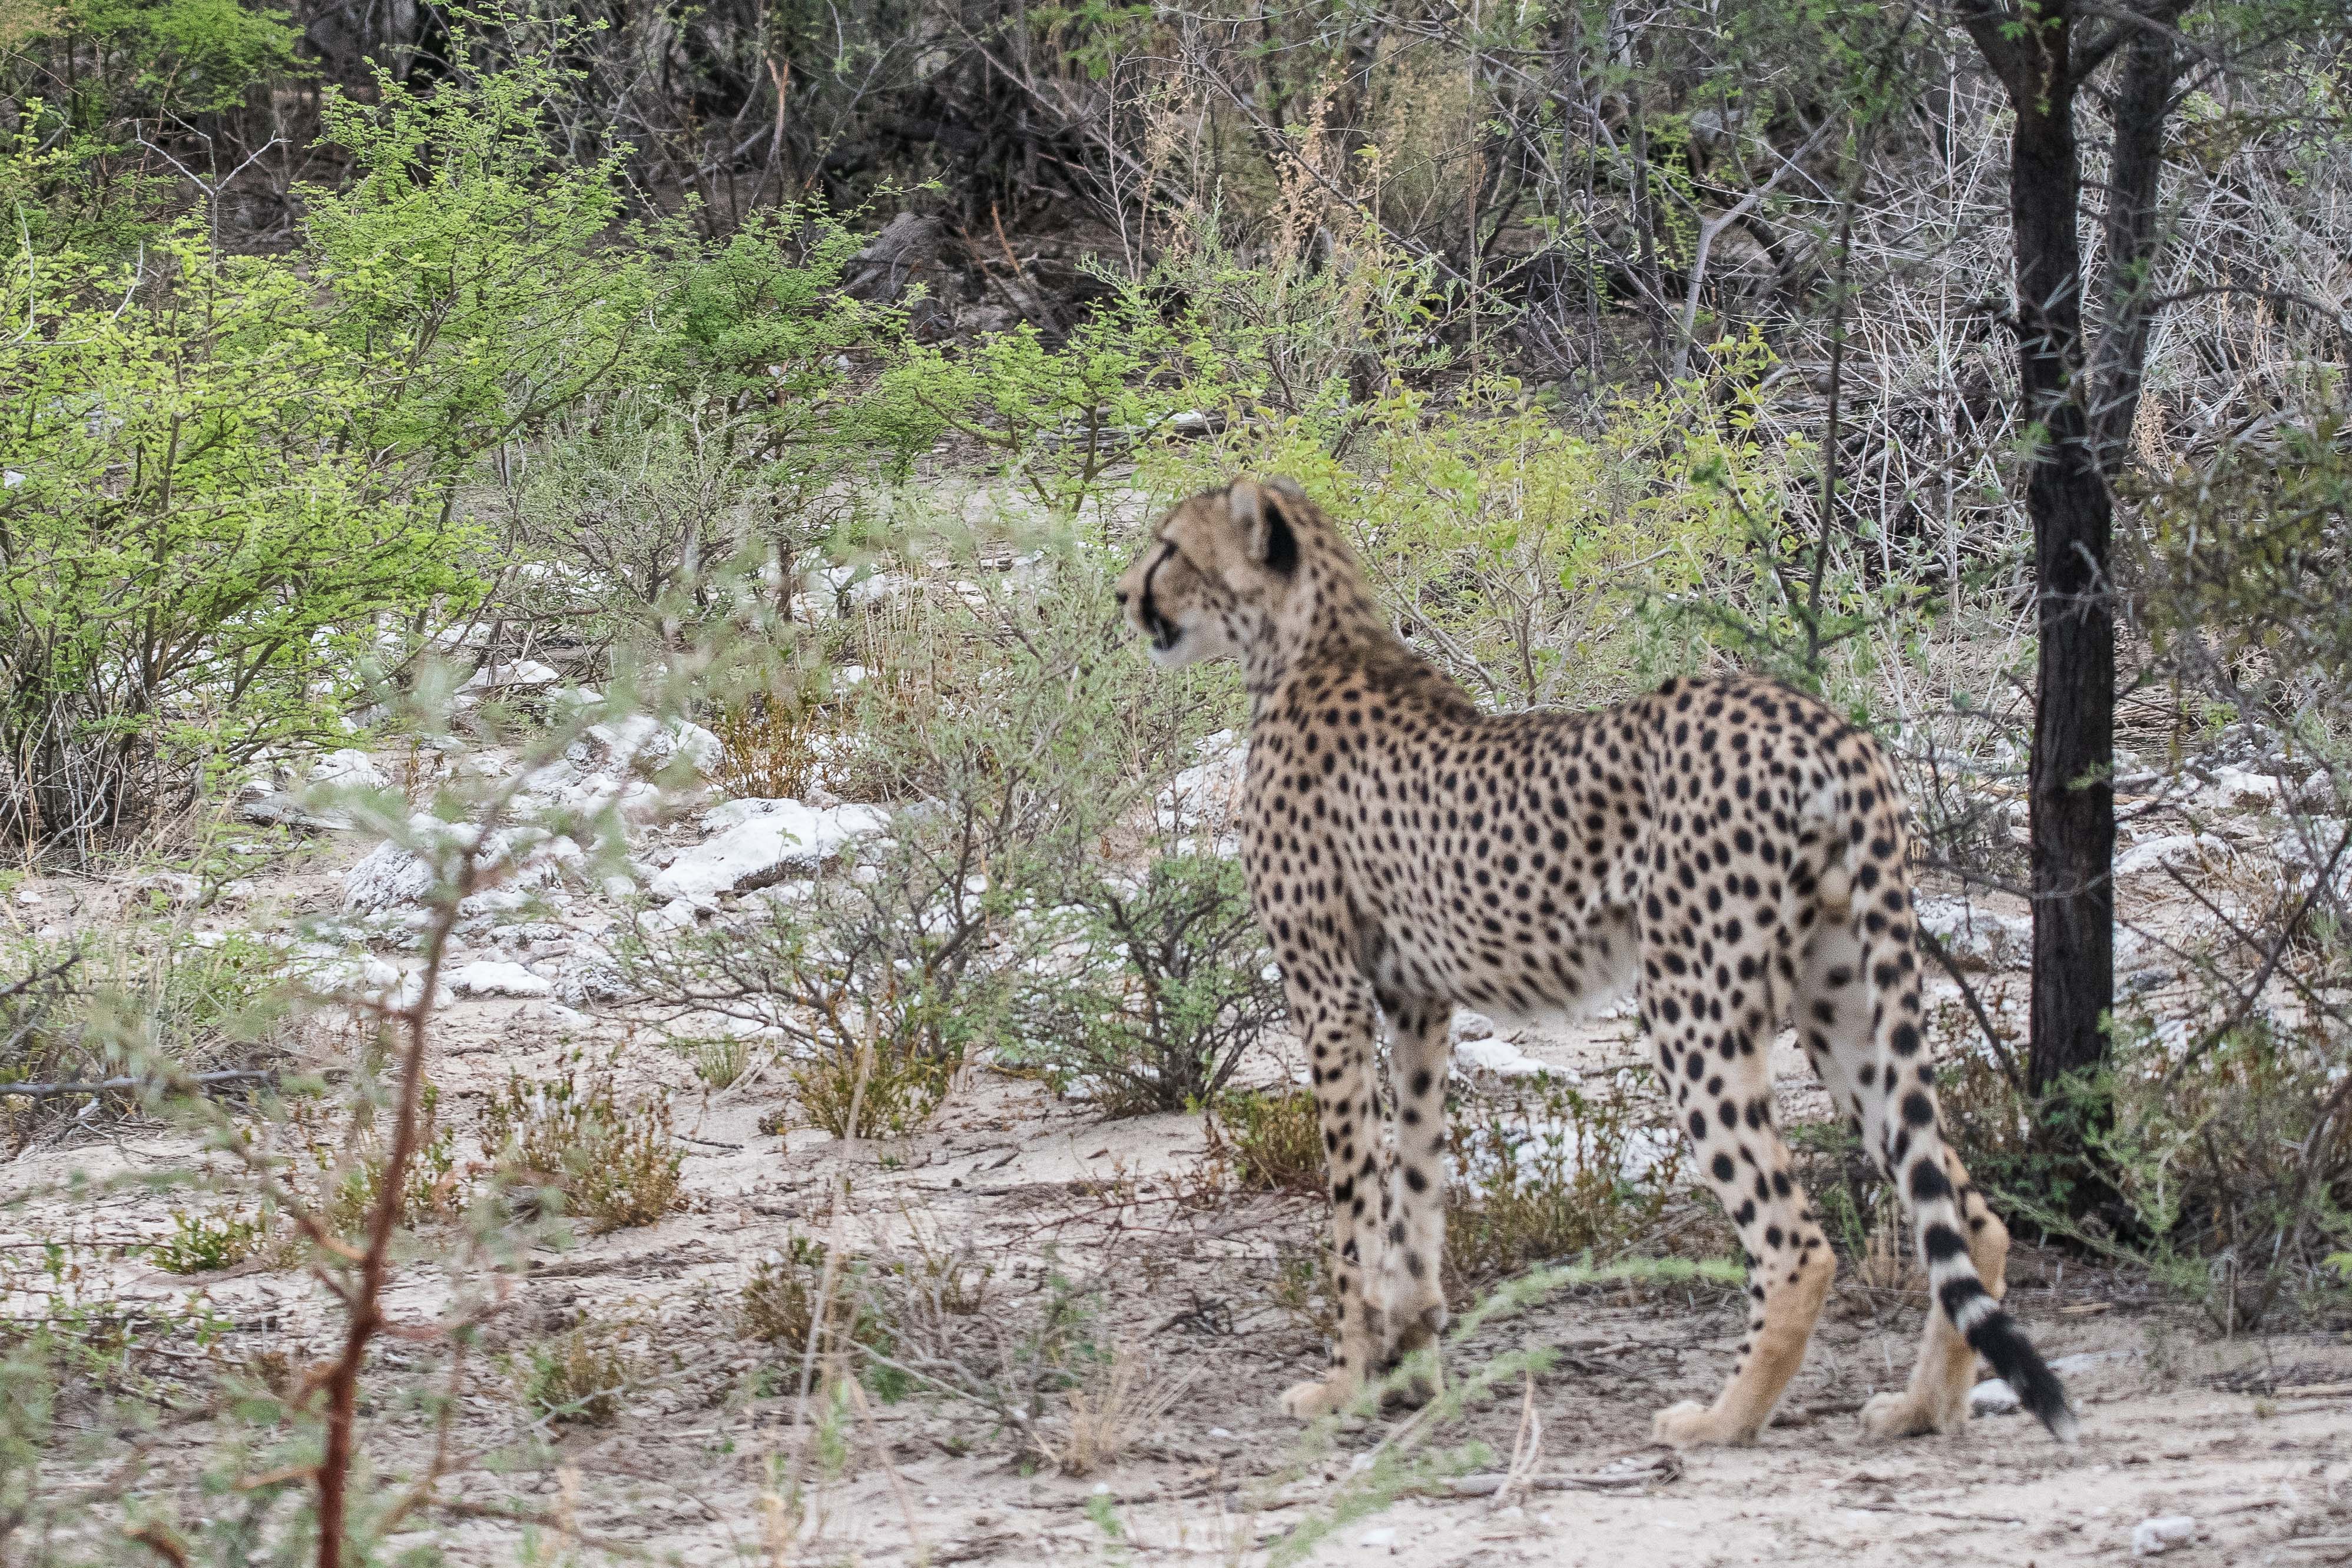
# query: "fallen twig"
{"points": [[1666, 1468], [123, 1085]]}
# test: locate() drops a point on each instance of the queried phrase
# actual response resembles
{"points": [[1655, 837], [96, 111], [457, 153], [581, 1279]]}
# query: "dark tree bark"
{"points": [[2080, 422]]}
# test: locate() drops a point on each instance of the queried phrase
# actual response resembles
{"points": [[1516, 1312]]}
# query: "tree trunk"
{"points": [[2069, 785], [2143, 101]]}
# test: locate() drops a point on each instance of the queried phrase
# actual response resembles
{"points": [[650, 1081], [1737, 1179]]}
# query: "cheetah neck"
{"points": [[1329, 619]]}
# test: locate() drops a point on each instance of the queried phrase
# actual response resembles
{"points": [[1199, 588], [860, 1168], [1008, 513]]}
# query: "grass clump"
{"points": [[792, 1298], [767, 748], [613, 1165], [206, 1243]]}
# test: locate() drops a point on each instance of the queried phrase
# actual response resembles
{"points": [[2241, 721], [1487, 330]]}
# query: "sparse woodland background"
{"points": [[797, 377]]}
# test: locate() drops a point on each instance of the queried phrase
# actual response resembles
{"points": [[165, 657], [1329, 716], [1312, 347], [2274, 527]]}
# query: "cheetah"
{"points": [[1729, 850]]}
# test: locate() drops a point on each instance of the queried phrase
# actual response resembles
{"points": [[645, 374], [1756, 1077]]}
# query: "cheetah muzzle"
{"points": [[1729, 849]]}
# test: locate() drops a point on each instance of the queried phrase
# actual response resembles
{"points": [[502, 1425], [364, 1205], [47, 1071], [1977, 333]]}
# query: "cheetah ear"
{"points": [[1259, 513]]}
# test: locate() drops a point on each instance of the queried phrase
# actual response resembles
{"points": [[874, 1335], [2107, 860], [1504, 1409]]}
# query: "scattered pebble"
{"points": [[1993, 1396], [2154, 1537]]}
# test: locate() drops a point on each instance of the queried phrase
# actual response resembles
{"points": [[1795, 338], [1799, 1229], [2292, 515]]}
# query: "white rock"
{"points": [[522, 673], [644, 745], [177, 886], [2180, 850], [348, 769], [1993, 1396], [589, 975], [1499, 1056], [1976, 938], [495, 979], [386, 875], [758, 843], [2154, 1537], [1205, 794], [389, 874], [28, 897], [1468, 1025], [2234, 788], [386, 983], [1379, 1540]]}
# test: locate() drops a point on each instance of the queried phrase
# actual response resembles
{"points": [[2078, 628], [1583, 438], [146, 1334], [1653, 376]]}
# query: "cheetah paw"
{"points": [[1319, 1397], [1891, 1416], [1421, 1382], [1691, 1424]]}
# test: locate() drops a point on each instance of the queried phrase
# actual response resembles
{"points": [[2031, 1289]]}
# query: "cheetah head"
{"points": [[1219, 570]]}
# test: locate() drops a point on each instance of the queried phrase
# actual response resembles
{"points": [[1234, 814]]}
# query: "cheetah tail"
{"points": [[1962, 1296], [1995, 1336]]}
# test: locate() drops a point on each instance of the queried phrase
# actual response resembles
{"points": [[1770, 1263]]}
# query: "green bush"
{"points": [[1155, 994], [1275, 1138], [1554, 1172], [194, 556]]}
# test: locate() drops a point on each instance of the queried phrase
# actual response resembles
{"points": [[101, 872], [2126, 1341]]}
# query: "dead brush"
{"points": [[767, 747], [1554, 1171], [1116, 1406], [789, 1301], [613, 1165]]}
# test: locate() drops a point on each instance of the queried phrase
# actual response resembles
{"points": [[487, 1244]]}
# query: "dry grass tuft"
{"points": [[1116, 1407], [581, 1376]]}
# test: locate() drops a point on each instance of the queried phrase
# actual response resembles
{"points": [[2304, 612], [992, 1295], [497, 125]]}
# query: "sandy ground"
{"points": [[1179, 1282]]}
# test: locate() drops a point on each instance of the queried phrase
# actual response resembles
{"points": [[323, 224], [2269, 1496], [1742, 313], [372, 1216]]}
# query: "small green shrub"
{"points": [[1552, 1172], [788, 1295], [209, 601], [582, 1376], [1275, 1136], [886, 1085], [615, 1164], [202, 1243], [1157, 994]]}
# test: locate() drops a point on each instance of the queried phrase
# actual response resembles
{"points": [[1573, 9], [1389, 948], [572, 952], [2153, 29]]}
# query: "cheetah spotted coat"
{"points": [[1729, 849]]}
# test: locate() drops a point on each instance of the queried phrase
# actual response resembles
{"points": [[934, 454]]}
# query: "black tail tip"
{"points": [[2022, 1368]]}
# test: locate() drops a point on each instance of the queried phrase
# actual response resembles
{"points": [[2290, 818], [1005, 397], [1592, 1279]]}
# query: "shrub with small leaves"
{"points": [[615, 1165], [1275, 1138], [1554, 1171], [1162, 990]]}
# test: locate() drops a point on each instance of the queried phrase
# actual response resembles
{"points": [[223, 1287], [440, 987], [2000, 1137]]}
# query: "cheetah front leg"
{"points": [[1338, 1036], [1413, 1206]]}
